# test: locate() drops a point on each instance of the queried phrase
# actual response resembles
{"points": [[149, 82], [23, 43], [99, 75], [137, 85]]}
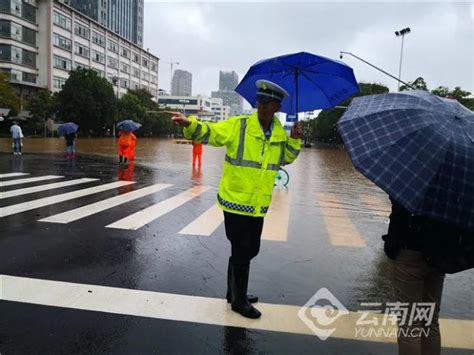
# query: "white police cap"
{"points": [[270, 91]]}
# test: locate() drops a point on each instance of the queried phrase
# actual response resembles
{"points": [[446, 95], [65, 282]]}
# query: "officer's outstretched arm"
{"points": [[217, 134]]}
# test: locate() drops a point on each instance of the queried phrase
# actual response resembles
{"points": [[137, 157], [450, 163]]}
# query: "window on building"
{"points": [[154, 79], [136, 72], [16, 31], [145, 76], [58, 82], [112, 62], [29, 77], [98, 57], [16, 75], [124, 83], [17, 55], [125, 68], [113, 46], [81, 50], [136, 57], [62, 63], [99, 72], [15, 7], [61, 21], [81, 30], [29, 36], [125, 52], [28, 12], [154, 66], [80, 65], [62, 42], [135, 85], [98, 39], [145, 63]]}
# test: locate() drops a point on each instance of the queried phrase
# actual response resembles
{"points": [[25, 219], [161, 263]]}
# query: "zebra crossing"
{"points": [[339, 226]]}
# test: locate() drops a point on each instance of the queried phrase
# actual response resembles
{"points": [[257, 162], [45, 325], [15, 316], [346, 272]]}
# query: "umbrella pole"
{"points": [[296, 92]]}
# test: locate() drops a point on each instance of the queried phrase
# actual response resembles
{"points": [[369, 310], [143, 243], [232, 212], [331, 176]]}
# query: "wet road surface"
{"points": [[324, 231]]}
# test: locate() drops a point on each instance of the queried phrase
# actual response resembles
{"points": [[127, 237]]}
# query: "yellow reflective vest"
{"points": [[251, 163]]}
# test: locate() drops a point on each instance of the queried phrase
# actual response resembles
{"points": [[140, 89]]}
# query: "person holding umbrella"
{"points": [[419, 148], [127, 140], [69, 130], [256, 145]]}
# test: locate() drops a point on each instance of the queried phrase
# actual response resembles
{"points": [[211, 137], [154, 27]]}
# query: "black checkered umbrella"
{"points": [[417, 147]]}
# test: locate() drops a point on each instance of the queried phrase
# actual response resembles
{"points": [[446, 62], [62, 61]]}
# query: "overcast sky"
{"points": [[205, 37]]}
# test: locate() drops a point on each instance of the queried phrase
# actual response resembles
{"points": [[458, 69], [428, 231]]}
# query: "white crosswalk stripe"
{"points": [[143, 217], [31, 205], [55, 185], [88, 210], [29, 180], [2, 176]]}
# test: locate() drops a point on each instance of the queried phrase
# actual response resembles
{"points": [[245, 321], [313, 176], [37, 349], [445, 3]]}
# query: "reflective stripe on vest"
{"points": [[239, 161]]}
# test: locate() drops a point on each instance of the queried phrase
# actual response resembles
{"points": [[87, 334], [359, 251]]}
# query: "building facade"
{"points": [[228, 81], [41, 41], [200, 106], [124, 17], [182, 83], [221, 111]]}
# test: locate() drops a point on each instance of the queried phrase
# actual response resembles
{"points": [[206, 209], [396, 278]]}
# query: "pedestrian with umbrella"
{"points": [[257, 145], [127, 140], [419, 148], [68, 130]]}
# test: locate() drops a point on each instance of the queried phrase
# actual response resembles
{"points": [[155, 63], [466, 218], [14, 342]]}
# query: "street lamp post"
{"points": [[375, 67], [184, 102], [115, 80], [402, 34]]}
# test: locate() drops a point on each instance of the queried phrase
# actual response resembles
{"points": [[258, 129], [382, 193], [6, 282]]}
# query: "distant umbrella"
{"points": [[417, 147], [68, 128], [128, 125]]}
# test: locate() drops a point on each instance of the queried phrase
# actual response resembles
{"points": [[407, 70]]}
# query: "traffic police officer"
{"points": [[257, 145]]}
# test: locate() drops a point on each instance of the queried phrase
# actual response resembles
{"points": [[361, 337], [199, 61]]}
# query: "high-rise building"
{"points": [[42, 41], [228, 81], [124, 17], [182, 83]]}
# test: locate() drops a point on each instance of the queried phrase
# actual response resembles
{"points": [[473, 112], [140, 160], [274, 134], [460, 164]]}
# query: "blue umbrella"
{"points": [[67, 128], [313, 82], [128, 125], [417, 147]]}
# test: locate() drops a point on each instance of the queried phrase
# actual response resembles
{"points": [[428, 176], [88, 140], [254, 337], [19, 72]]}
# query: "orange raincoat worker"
{"points": [[126, 146]]}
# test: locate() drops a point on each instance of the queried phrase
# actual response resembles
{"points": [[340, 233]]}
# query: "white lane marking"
{"points": [[46, 201], [206, 223], [29, 180], [204, 310], [277, 220], [55, 185], [147, 215], [341, 230], [88, 210], [12, 175]]}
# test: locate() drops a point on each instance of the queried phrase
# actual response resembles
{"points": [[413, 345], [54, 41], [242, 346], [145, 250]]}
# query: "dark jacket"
{"points": [[70, 138]]}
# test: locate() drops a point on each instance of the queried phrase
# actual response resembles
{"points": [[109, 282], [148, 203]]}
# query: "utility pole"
{"points": [[402, 34]]}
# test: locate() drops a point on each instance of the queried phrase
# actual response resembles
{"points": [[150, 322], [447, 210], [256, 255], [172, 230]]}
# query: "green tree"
{"points": [[146, 99], [457, 93], [418, 84], [131, 108], [88, 100], [8, 97], [323, 128], [41, 106]]}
